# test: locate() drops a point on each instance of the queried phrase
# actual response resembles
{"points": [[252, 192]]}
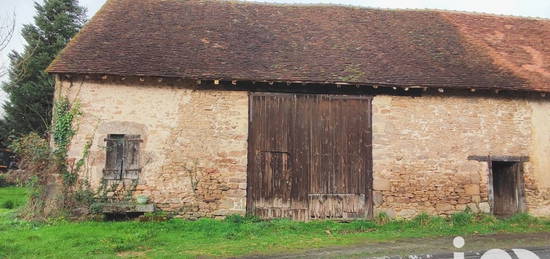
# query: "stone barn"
{"points": [[210, 108]]}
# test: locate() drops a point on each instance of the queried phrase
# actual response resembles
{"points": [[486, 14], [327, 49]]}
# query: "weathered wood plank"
{"points": [[500, 158], [302, 145]]}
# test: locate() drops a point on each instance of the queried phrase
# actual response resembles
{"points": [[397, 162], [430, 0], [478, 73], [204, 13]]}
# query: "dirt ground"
{"points": [[442, 247]]}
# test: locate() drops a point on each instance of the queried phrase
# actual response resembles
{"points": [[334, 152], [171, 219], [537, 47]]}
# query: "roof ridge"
{"points": [[377, 8]]}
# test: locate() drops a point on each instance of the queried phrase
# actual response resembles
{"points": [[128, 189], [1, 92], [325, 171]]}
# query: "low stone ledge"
{"points": [[122, 208]]}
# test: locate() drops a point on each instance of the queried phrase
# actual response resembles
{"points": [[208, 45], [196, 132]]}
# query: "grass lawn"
{"points": [[231, 237], [11, 198]]}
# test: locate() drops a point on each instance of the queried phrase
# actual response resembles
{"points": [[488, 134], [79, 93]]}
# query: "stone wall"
{"points": [[538, 182], [421, 145], [194, 150]]}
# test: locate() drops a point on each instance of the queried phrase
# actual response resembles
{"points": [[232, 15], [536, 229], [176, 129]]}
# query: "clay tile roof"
{"points": [[312, 43]]}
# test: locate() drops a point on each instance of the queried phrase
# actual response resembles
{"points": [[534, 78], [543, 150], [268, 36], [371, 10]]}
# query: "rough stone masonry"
{"points": [[194, 149]]}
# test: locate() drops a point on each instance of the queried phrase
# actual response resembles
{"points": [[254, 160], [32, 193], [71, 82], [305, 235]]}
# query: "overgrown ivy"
{"points": [[85, 154], [62, 131], [42, 161], [62, 128]]}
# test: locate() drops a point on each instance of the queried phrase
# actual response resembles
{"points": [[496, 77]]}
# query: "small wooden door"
{"points": [[507, 188], [309, 156]]}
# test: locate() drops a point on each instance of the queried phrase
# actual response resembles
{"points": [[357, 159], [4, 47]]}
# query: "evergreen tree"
{"points": [[29, 88]]}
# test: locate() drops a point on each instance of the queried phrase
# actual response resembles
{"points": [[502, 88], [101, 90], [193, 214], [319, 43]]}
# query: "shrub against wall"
{"points": [[36, 164], [3, 180], [42, 164]]}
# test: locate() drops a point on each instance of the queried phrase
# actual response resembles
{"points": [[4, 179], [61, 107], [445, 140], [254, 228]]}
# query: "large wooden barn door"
{"points": [[309, 156]]}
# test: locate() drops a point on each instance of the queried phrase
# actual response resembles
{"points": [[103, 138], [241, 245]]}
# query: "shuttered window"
{"points": [[122, 160]]}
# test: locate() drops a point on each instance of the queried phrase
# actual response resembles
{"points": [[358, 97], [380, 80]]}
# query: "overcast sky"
{"points": [[24, 10]]}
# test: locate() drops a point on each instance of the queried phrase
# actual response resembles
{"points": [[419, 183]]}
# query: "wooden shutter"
{"points": [[131, 163], [113, 162]]}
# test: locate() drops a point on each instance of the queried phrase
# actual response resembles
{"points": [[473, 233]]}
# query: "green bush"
{"points": [[84, 196], [361, 225], [422, 219], [382, 218], [485, 219], [96, 208], [9, 204], [39, 160], [3, 180], [522, 218], [236, 218], [33, 150], [461, 218], [157, 216]]}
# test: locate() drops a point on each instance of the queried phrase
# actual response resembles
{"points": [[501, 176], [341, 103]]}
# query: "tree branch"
{"points": [[7, 30]]}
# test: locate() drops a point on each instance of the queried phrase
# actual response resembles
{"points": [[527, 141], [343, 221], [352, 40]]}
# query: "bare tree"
{"points": [[7, 29]]}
